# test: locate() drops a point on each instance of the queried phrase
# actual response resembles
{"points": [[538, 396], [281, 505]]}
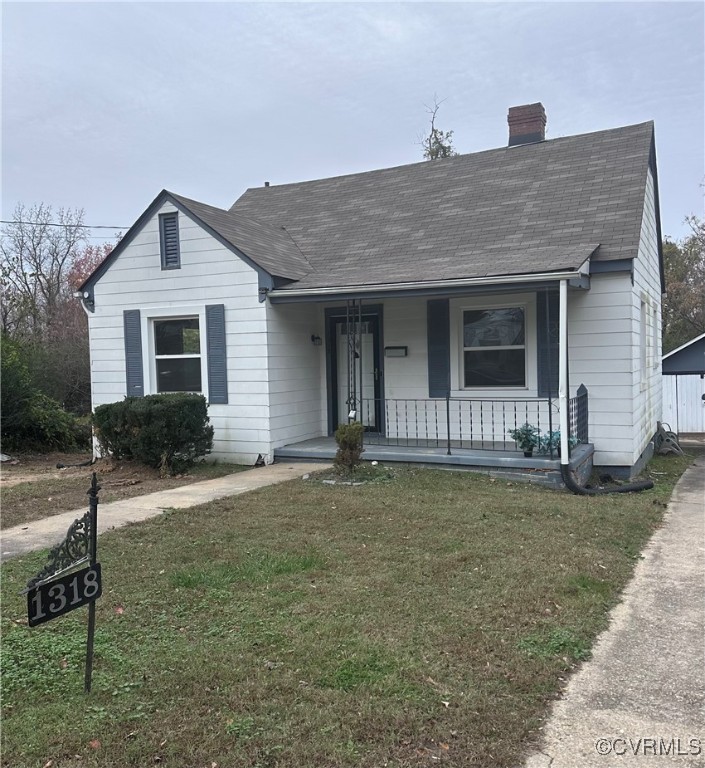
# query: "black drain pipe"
{"points": [[571, 485]]}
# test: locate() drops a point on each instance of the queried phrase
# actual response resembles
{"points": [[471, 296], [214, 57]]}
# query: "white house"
{"points": [[442, 303]]}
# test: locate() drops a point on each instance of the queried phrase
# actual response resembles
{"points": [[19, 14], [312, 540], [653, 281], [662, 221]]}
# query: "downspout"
{"points": [[566, 474], [563, 371]]}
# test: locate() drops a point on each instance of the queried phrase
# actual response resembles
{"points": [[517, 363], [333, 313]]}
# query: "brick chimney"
{"points": [[527, 124]]}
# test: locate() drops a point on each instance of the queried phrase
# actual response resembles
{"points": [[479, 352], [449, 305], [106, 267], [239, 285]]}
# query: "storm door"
{"points": [[355, 368]]}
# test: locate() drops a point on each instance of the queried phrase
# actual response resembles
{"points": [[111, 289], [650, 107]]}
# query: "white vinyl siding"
{"points": [[647, 394], [610, 338], [209, 274], [600, 346], [297, 399]]}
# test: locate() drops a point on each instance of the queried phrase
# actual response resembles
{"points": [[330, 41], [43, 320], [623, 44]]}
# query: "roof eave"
{"points": [[578, 277], [152, 208]]}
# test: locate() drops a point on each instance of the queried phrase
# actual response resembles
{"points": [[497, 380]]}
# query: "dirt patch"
{"points": [[27, 468], [33, 488]]}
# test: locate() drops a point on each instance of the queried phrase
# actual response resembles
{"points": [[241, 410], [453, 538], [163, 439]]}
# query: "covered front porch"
{"points": [[433, 378]]}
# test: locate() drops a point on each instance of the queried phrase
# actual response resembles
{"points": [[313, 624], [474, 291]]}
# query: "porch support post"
{"points": [[563, 369]]}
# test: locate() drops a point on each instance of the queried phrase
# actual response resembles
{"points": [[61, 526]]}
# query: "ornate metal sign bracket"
{"points": [[51, 593], [72, 551]]}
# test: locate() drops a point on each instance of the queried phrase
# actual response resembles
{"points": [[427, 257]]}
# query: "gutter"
{"points": [[578, 274]]}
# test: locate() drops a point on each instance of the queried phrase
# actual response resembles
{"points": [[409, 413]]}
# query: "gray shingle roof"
{"points": [[266, 244], [532, 208]]}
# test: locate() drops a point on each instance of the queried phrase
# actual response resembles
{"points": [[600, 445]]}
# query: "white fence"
{"points": [[683, 404]]}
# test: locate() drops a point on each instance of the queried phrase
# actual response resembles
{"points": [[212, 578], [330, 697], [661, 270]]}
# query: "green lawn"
{"points": [[428, 616]]}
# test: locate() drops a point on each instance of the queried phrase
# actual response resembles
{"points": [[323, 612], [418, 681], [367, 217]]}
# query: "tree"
{"points": [[65, 342], [438, 144], [36, 252], [43, 259], [683, 308]]}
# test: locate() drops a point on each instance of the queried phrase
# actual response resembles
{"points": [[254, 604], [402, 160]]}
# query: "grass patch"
{"points": [[367, 472], [556, 643], [256, 568], [432, 615]]}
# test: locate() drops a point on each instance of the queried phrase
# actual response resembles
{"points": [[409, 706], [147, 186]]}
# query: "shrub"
{"points": [[16, 393], [349, 440], [166, 431], [51, 427], [111, 428], [30, 419]]}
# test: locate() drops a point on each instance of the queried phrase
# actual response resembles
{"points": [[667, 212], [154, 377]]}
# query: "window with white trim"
{"points": [[494, 347], [177, 354]]}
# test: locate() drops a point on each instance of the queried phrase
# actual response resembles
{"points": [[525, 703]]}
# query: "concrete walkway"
{"points": [[51, 530], [640, 700]]}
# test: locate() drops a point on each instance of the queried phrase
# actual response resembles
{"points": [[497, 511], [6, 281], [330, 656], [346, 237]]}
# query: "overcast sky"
{"points": [[105, 104]]}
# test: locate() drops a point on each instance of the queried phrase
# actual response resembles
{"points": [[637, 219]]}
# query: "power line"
{"points": [[66, 226]]}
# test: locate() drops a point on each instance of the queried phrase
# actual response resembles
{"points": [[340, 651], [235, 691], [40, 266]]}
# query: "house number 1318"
{"points": [[62, 595]]}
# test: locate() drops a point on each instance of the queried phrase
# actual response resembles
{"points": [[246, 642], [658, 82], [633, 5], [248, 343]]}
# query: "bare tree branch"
{"points": [[437, 144]]}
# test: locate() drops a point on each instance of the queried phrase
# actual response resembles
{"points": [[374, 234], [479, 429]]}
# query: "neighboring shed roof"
{"points": [[687, 360], [530, 208]]}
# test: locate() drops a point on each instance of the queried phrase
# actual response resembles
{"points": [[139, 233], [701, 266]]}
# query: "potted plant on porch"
{"points": [[551, 442], [527, 438]]}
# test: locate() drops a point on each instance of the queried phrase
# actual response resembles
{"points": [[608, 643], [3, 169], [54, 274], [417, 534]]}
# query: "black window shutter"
{"points": [[438, 339], [133, 353], [547, 342], [217, 357], [169, 240]]}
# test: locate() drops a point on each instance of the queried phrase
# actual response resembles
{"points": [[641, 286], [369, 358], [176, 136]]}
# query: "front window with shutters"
{"points": [[494, 347], [177, 354], [169, 240]]}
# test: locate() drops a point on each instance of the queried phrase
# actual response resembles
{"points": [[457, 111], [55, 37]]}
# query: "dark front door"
{"points": [[356, 380]]}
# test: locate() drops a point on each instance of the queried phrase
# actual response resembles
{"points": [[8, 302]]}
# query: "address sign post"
{"points": [[58, 588]]}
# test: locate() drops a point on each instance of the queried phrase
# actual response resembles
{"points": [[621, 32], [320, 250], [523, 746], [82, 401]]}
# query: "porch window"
{"points": [[177, 354], [494, 347]]}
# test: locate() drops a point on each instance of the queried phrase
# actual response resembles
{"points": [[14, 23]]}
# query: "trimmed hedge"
{"points": [[166, 431]]}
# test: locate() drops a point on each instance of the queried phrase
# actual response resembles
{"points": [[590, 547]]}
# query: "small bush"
{"points": [[165, 431], [52, 426], [349, 440]]}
